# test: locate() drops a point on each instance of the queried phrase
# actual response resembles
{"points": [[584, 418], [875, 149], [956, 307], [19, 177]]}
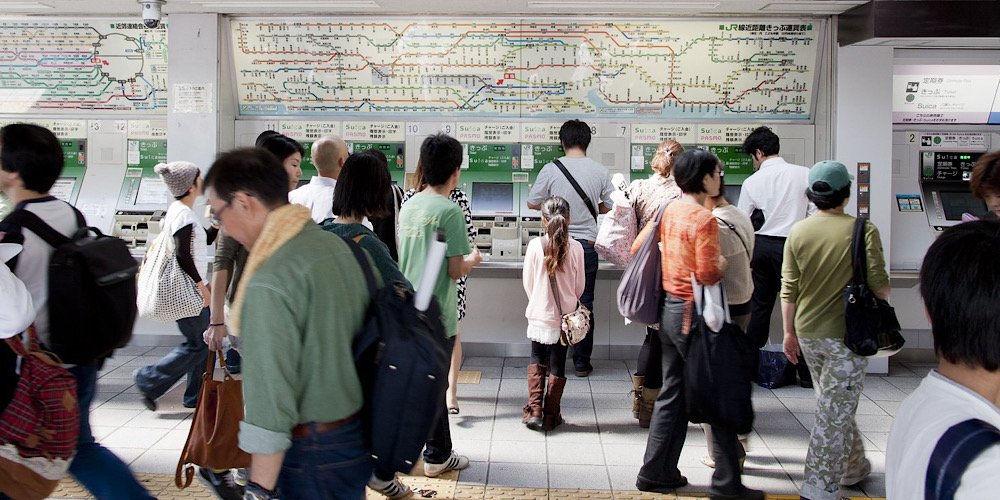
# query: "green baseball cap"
{"points": [[833, 173]]}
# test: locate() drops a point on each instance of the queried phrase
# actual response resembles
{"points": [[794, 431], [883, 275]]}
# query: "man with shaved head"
{"points": [[328, 155]]}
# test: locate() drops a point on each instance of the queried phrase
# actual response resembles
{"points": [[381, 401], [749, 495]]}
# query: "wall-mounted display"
{"points": [[82, 66], [946, 94], [732, 69]]}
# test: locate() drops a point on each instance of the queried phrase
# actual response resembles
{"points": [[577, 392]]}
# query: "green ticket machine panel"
{"points": [[67, 186]]}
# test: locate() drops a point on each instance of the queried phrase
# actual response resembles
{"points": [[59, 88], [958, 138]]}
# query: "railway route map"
{"points": [[718, 69], [82, 66]]}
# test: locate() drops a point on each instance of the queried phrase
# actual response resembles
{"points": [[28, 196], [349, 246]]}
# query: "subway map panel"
{"points": [[82, 66], [671, 69]]}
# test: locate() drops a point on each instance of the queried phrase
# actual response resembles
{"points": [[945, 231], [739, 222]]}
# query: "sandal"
{"points": [[453, 410]]}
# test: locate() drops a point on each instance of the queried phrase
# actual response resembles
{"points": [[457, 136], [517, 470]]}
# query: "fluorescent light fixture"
{"points": [[24, 6], [299, 4], [815, 7], [657, 5]]}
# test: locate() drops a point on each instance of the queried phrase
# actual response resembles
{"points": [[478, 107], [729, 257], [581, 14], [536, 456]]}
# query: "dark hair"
{"points": [[556, 212], [282, 146], [362, 176], [265, 135], [691, 167], [574, 134], [34, 153], [828, 201], [986, 175], [252, 170], [960, 285], [440, 157], [763, 139]]}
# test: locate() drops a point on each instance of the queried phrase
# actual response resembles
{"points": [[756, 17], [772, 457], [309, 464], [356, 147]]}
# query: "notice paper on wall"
{"points": [[192, 98], [63, 188]]}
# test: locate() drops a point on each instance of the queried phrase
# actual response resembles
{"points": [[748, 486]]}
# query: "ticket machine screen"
{"points": [[496, 197], [957, 203]]}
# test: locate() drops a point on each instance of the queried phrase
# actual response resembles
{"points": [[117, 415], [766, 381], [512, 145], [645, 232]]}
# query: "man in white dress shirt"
{"points": [[328, 155], [776, 192]]}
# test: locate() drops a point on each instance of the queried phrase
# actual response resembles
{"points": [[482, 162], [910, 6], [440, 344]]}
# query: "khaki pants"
{"points": [[835, 446]]}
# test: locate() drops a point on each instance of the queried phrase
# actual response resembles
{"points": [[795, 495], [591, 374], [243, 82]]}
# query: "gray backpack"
{"points": [[640, 293]]}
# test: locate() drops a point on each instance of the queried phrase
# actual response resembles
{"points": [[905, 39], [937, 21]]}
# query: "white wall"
{"points": [[194, 60]]}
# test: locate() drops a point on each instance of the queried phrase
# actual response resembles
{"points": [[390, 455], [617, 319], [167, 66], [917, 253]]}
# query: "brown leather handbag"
{"points": [[213, 441]]}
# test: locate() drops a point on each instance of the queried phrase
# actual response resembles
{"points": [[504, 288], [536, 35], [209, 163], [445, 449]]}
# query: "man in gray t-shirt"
{"points": [[596, 185]]}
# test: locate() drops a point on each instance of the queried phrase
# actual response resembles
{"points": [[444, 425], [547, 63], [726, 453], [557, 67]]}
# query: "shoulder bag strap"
{"points": [[859, 259], [955, 451], [359, 255], [576, 186], [28, 220], [737, 233]]}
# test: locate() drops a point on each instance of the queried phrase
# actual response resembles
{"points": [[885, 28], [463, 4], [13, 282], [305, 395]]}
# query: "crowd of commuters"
{"points": [[284, 281]]}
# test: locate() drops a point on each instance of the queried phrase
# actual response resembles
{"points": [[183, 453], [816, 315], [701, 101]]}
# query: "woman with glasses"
{"points": [[649, 196], [689, 237]]}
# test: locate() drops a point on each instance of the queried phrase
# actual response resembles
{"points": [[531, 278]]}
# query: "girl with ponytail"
{"points": [[557, 256]]}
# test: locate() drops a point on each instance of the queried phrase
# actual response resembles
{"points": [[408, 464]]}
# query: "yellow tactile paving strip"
{"points": [[469, 376], [444, 487]]}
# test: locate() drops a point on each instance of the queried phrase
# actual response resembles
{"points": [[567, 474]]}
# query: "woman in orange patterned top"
{"points": [[649, 196], [689, 236]]}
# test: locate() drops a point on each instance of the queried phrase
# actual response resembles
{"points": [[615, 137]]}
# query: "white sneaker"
{"points": [[853, 479], [454, 462], [394, 488]]}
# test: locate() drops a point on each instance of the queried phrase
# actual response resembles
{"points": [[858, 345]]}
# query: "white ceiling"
{"points": [[629, 8]]}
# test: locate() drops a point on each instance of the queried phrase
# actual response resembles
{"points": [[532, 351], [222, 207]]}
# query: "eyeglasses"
{"points": [[721, 172], [215, 218]]}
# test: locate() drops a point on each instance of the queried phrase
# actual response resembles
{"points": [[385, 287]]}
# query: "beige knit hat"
{"points": [[179, 176]]}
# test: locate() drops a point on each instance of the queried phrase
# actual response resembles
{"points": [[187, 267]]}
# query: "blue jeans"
{"points": [[94, 467], [188, 358], [583, 350], [334, 464]]}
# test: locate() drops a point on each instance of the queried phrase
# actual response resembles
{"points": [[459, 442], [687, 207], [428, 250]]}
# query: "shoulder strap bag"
{"points": [[955, 451], [872, 327], [573, 327], [576, 186], [737, 233]]}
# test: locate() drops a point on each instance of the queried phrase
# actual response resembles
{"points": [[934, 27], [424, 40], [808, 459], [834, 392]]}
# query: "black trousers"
{"points": [[668, 427], [438, 446], [551, 355], [768, 252], [650, 362]]}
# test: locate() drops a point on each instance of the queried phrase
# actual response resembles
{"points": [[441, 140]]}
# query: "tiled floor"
{"points": [[599, 448]]}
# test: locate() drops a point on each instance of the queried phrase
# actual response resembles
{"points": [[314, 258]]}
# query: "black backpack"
{"points": [[402, 360], [92, 290]]}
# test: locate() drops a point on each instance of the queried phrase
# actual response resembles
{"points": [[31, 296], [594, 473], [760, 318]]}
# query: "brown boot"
{"points": [[637, 381], [646, 408], [553, 397], [536, 389]]}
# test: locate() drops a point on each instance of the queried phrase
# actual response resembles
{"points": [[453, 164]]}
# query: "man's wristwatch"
{"points": [[255, 491]]}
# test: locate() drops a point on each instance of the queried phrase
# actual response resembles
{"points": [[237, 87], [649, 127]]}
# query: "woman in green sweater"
{"points": [[815, 269]]}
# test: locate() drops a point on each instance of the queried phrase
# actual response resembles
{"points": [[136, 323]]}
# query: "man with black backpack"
{"points": [[31, 159], [585, 184]]}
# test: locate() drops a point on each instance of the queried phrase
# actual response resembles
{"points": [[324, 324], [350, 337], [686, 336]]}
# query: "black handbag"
{"points": [[872, 327], [717, 371]]}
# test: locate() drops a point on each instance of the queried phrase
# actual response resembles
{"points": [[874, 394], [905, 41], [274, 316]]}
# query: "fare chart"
{"points": [[82, 66], [668, 69]]}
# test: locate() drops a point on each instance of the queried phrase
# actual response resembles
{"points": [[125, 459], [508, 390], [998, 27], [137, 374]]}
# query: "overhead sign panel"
{"points": [[945, 94]]}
